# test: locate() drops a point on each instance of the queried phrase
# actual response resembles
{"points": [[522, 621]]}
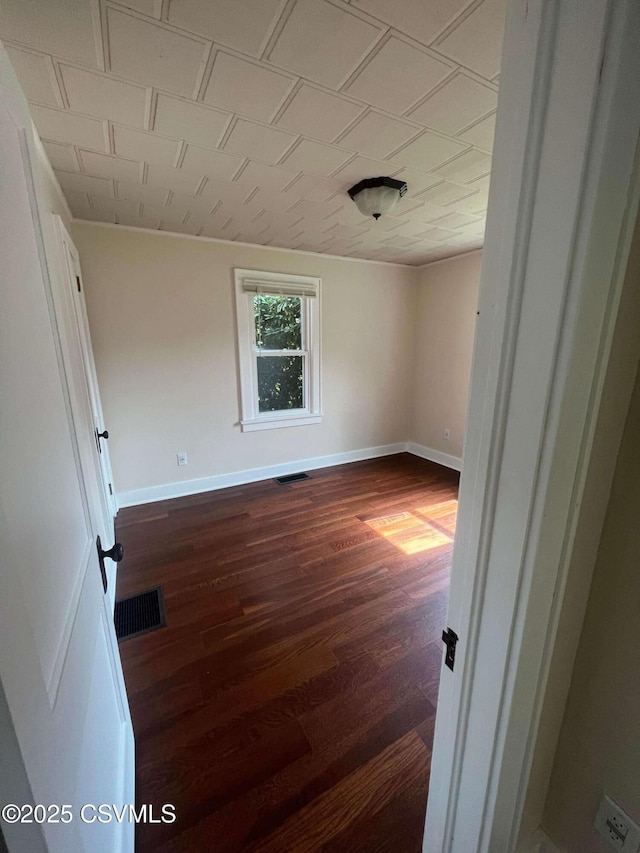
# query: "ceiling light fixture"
{"points": [[375, 196]]}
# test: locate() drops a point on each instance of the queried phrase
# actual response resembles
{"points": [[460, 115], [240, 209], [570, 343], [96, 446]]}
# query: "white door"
{"points": [[62, 700], [74, 291]]}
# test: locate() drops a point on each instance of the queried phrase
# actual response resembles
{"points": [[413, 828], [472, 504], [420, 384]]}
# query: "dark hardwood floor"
{"points": [[289, 703]]}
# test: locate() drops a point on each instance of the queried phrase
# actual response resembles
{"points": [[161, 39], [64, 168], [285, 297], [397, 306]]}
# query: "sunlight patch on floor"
{"points": [[444, 514], [412, 531]]}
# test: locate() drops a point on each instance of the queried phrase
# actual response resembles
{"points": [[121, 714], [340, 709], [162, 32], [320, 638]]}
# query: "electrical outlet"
{"points": [[617, 827], [447, 434], [182, 458]]}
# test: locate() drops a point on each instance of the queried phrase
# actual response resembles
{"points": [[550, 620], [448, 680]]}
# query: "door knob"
{"points": [[116, 553], [104, 434]]}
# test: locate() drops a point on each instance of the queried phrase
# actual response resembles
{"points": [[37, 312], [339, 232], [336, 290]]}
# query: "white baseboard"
{"points": [[538, 843], [251, 475], [254, 475], [454, 462]]}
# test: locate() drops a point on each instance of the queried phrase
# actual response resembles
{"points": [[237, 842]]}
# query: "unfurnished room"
{"points": [[319, 404]]}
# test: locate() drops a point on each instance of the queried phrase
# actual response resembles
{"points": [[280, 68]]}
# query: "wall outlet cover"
{"points": [[616, 827], [182, 458]]}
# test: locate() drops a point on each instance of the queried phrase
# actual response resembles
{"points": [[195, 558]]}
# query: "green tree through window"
{"points": [[279, 337]]}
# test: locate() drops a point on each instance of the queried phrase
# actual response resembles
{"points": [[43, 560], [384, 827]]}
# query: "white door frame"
{"points": [[558, 236], [71, 273]]}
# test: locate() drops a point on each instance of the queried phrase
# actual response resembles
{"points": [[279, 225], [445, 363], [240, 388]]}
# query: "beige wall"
{"points": [[445, 324], [163, 330], [599, 747]]}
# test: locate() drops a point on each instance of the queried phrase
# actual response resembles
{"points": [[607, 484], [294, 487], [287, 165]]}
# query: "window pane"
{"points": [[280, 382], [277, 321]]}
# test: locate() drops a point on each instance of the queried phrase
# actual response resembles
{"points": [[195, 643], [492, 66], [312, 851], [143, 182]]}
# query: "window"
{"points": [[278, 349]]}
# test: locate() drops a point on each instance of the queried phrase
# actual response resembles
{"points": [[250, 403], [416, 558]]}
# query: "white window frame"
{"points": [[247, 284]]}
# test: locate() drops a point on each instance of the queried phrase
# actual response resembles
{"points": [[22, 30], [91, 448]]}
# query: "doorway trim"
{"points": [[71, 277], [558, 237]]}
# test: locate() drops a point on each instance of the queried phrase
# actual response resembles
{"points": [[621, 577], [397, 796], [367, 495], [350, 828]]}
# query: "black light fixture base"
{"points": [[369, 183]]}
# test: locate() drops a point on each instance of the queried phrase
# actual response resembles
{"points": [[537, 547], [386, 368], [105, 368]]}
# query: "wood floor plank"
{"points": [[364, 745], [396, 828], [198, 784], [262, 809], [274, 713], [267, 682], [359, 707], [358, 797], [289, 702], [418, 626]]}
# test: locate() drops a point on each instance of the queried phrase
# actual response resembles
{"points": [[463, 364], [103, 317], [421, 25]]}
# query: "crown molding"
{"points": [[450, 258], [221, 241]]}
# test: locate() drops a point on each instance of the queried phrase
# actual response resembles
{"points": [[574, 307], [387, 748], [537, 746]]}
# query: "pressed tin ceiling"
{"points": [[250, 119]]}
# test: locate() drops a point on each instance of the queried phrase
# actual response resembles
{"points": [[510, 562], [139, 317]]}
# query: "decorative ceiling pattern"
{"points": [[249, 119]]}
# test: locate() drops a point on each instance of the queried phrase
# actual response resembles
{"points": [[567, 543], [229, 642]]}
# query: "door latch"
{"points": [[450, 639], [98, 436]]}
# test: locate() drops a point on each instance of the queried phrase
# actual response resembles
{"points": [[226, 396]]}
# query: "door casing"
{"points": [[558, 234]]}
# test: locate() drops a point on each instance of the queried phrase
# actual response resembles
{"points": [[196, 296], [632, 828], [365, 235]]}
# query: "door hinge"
{"points": [[450, 639], [110, 489], [78, 284]]}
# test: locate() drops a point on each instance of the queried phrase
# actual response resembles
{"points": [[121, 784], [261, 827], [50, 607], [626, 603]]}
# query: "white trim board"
{"points": [[567, 130], [540, 843], [263, 246], [446, 260], [454, 462], [151, 494], [219, 240], [251, 475]]}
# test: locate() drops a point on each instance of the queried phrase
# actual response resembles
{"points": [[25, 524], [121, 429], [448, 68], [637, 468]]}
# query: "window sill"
{"points": [[280, 422]]}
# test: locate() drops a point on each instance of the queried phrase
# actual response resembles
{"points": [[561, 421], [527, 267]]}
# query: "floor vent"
{"points": [[291, 478], [139, 613]]}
